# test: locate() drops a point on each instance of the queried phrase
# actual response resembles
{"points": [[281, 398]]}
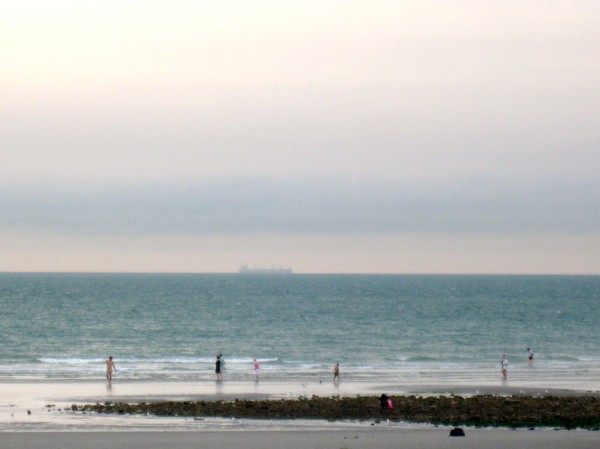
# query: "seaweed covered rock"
{"points": [[481, 410]]}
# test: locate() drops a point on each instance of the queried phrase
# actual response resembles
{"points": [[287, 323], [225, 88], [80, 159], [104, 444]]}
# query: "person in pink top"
{"points": [[256, 369]]}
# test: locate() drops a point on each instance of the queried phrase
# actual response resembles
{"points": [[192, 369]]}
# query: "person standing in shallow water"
{"points": [[110, 366], [336, 372], [218, 368], [530, 355], [504, 365], [256, 370]]}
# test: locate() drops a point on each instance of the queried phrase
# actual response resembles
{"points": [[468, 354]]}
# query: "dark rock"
{"points": [[457, 432]]}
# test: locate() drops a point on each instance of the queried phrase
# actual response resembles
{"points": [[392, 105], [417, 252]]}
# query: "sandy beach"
{"points": [[36, 396], [19, 398], [55, 406], [329, 439], [26, 420]]}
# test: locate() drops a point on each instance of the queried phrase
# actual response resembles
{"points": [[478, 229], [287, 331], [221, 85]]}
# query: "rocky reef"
{"points": [[481, 410]]}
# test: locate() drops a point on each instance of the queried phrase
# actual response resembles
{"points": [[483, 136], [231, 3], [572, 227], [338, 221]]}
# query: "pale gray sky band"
{"points": [[233, 206]]}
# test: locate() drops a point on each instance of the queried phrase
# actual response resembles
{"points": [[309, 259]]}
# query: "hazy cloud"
{"points": [[318, 206], [132, 132]]}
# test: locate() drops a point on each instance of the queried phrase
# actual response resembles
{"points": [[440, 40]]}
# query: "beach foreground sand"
{"points": [[330, 439]]}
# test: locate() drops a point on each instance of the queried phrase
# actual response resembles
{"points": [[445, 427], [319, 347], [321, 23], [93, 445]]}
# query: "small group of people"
{"points": [[504, 362], [220, 365]]}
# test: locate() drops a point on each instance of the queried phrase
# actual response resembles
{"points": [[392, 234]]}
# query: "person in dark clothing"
{"points": [[383, 401], [218, 368]]}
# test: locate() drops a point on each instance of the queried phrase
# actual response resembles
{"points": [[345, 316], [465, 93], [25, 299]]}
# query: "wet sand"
{"points": [[355, 439]]}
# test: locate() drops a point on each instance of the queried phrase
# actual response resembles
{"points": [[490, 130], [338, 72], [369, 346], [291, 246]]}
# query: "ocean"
{"points": [[413, 330]]}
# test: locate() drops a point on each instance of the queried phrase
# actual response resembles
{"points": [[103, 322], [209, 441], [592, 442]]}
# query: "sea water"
{"points": [[416, 330]]}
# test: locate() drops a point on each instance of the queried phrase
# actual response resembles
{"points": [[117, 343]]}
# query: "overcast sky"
{"points": [[328, 136]]}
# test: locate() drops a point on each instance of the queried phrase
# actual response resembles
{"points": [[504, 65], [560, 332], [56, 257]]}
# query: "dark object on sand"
{"points": [[457, 432]]}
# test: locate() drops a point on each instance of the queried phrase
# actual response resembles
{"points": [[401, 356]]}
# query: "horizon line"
{"points": [[305, 273]]}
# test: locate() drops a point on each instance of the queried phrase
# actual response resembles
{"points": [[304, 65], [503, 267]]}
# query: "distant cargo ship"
{"points": [[245, 270]]}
